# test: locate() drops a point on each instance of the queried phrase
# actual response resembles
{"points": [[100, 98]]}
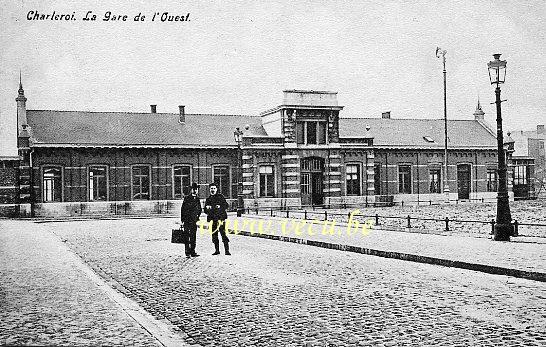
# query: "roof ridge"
{"points": [[161, 113], [420, 119]]}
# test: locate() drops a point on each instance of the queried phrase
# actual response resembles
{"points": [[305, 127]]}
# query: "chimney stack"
{"points": [[540, 129], [386, 115], [153, 108], [182, 112]]}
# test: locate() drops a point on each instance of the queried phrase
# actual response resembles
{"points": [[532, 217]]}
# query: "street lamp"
{"points": [[503, 228], [441, 52], [238, 135]]}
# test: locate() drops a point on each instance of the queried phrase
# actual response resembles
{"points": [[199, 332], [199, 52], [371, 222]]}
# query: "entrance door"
{"points": [[316, 188], [463, 181], [311, 181]]}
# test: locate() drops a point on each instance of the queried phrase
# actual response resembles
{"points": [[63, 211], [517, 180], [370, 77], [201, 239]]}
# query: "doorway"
{"points": [[463, 181], [311, 181]]}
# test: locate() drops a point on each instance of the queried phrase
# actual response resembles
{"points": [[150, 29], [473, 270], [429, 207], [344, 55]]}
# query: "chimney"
{"points": [[182, 112], [540, 129], [386, 115], [153, 108]]}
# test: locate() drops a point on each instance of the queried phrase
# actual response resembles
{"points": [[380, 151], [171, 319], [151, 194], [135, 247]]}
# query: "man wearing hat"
{"points": [[215, 208], [189, 216]]}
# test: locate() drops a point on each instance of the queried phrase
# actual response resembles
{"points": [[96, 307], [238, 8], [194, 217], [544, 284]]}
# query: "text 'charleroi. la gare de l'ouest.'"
{"points": [[108, 16]]}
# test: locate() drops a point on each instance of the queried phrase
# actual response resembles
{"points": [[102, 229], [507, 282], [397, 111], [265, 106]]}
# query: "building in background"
{"points": [[529, 146], [298, 153]]}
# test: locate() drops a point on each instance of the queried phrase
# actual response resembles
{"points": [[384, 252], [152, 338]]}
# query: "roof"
{"points": [[418, 132], [85, 128], [123, 128]]}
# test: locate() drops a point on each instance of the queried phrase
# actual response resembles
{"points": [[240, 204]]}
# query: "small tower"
{"points": [[21, 108], [479, 115]]}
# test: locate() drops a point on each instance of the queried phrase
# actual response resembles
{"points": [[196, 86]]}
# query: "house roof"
{"points": [[123, 128], [418, 132]]}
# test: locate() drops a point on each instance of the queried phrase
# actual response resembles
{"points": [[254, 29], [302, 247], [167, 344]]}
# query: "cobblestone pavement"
{"points": [[272, 293], [524, 211], [523, 254], [46, 300]]}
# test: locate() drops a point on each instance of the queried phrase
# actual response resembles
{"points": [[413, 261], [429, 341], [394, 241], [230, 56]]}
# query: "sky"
{"points": [[236, 57]]}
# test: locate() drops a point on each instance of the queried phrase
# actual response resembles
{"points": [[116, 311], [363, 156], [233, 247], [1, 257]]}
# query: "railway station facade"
{"points": [[302, 152]]}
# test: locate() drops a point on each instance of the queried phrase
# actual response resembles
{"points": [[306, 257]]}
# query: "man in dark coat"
{"points": [[189, 216], [215, 208]]}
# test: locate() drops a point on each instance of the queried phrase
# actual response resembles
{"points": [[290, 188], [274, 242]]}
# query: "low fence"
{"points": [[408, 222]]}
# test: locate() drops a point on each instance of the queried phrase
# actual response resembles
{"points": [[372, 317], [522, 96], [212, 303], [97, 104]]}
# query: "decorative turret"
{"points": [[21, 108], [479, 114]]}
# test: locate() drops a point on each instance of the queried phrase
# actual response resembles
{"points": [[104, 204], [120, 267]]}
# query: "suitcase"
{"points": [[179, 235]]}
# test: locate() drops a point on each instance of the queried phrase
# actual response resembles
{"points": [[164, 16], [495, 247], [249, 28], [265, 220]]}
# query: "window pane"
{"points": [[222, 179], [321, 133], [182, 181], [435, 179], [97, 183], [267, 181], [300, 138], [141, 182], [404, 179], [52, 184], [305, 178], [312, 133], [353, 179]]}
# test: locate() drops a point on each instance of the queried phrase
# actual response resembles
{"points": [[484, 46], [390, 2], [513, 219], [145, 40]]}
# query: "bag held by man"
{"points": [[179, 235]]}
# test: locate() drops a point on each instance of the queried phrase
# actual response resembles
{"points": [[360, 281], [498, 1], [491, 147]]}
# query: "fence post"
{"points": [[376, 219], [409, 222], [305, 214], [271, 211], [492, 226], [402, 202], [516, 227], [430, 202], [325, 214], [447, 223], [287, 213]]}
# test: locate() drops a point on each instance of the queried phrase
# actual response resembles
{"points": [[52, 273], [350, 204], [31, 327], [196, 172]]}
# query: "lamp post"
{"points": [[503, 228], [238, 135], [440, 52]]}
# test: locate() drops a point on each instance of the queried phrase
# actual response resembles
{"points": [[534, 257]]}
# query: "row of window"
{"points": [[434, 178], [404, 179], [227, 181], [97, 179]]}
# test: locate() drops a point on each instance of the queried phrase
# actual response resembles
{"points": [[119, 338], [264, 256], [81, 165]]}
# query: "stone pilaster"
{"points": [[332, 175], [248, 174], [290, 174], [369, 174]]}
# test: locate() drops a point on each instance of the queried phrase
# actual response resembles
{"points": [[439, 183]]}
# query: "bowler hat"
{"points": [[194, 186]]}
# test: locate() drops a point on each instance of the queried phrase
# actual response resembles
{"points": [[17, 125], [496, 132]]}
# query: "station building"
{"points": [[299, 153]]}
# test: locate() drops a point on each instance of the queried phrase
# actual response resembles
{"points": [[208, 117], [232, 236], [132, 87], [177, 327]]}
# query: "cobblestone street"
{"points": [[272, 293], [46, 300]]}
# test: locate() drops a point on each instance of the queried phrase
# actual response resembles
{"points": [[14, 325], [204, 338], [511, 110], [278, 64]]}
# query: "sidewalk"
{"points": [[523, 257], [49, 297]]}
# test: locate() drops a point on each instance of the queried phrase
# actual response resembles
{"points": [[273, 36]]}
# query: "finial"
{"points": [[21, 91]]}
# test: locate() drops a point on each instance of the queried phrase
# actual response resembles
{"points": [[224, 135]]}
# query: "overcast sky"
{"points": [[236, 57]]}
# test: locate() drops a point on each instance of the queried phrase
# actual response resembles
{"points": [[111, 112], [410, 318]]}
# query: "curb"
{"points": [[494, 270]]}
